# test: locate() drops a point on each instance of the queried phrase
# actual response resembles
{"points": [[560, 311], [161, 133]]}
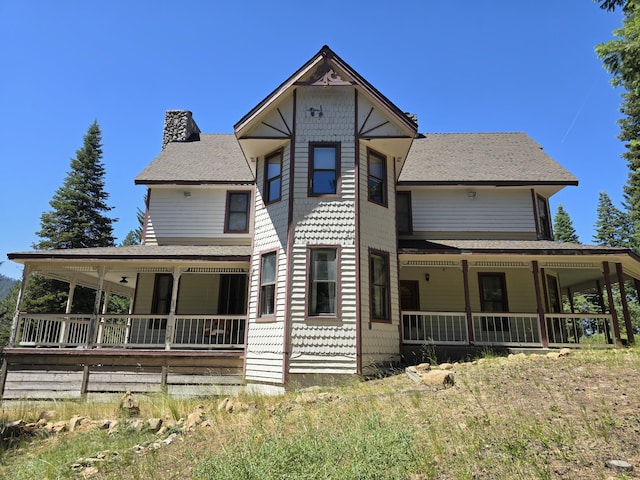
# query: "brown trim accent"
{"points": [[266, 185], [545, 290], [534, 205], [387, 257], [146, 215], [544, 336], [570, 297], [311, 170], [358, 132], [494, 183], [289, 248], [404, 193], [539, 219], [337, 316], [375, 128], [195, 182], [467, 301], [284, 120], [385, 180], [276, 128], [272, 317], [356, 172], [625, 305], [612, 307], [83, 258], [226, 210]]}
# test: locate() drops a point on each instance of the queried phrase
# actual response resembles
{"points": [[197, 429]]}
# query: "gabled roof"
{"points": [[326, 55], [481, 159], [214, 158]]}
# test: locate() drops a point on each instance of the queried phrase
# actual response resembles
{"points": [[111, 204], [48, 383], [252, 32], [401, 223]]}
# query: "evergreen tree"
{"points": [[563, 230], [77, 220], [612, 224], [134, 237], [621, 58]]}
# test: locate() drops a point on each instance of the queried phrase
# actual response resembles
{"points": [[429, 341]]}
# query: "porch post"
{"points": [[105, 307], [26, 271], [612, 307], [467, 301], [93, 322], [171, 321], [625, 304], [570, 296], [63, 327], [544, 338]]}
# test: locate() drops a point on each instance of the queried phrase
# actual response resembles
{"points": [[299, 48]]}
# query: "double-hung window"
{"points": [[273, 177], [403, 213], [237, 214], [493, 299], [379, 285], [323, 282], [324, 168], [544, 221], [267, 284], [377, 179]]}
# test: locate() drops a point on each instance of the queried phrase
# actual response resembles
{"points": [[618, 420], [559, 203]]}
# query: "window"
{"points": [[493, 298], [237, 216], [379, 284], [267, 285], [324, 165], [323, 281], [404, 221], [272, 177], [377, 180], [544, 222], [161, 303], [553, 295]]}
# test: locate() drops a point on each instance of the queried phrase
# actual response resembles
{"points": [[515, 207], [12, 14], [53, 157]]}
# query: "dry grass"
{"points": [[528, 418]]}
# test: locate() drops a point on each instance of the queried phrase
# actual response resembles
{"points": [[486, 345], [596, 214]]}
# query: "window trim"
{"points": [[338, 307], [161, 323], [503, 326], [387, 259], [405, 193], [227, 212], [268, 180], [383, 180], [260, 317], [312, 170]]}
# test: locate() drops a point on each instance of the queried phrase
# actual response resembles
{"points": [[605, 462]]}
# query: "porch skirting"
{"points": [[57, 373]]}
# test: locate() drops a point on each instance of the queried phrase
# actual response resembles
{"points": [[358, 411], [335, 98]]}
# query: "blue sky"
{"points": [[464, 66]]}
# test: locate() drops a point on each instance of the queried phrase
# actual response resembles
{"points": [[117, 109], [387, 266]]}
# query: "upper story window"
{"points": [[267, 284], [323, 282], [404, 215], [377, 179], [237, 214], [324, 168], [273, 177], [379, 285], [544, 221]]}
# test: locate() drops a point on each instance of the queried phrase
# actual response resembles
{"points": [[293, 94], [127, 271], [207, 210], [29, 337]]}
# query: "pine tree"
{"points": [[613, 226], [563, 230], [621, 57], [77, 220]]}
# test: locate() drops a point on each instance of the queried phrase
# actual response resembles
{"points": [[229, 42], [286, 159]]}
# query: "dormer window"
{"points": [[377, 179], [324, 169], [273, 177]]}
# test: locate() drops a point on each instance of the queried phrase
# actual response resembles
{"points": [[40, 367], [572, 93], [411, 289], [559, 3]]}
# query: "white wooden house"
{"points": [[323, 238]]}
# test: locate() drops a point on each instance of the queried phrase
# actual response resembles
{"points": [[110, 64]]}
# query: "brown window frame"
{"points": [[386, 315], [311, 249], [384, 201], [261, 316], [545, 230], [228, 212], [405, 193], [487, 323], [312, 170], [158, 296], [268, 181]]}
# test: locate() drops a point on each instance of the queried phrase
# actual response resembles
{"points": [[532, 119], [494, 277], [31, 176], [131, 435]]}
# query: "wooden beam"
{"points": [[612, 307], [544, 337], [467, 301], [625, 305]]}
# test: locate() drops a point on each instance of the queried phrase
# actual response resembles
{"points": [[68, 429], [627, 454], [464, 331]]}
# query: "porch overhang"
{"points": [[581, 264], [122, 264]]}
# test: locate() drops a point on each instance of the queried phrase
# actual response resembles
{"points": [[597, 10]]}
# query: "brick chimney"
{"points": [[179, 126]]}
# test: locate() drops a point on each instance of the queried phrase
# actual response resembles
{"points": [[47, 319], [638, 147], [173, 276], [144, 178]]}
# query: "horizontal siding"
{"points": [[172, 215], [451, 210]]}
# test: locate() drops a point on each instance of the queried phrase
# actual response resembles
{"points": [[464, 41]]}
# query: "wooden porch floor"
{"points": [[57, 373]]}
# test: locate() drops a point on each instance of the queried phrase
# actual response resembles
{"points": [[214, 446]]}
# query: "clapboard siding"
{"points": [[451, 210], [198, 217]]}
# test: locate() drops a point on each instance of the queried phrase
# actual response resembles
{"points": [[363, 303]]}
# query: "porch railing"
{"points": [[506, 329], [132, 331]]}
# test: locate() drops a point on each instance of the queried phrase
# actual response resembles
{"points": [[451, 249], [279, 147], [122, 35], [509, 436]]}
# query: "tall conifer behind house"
{"points": [[78, 219], [613, 226], [563, 230]]}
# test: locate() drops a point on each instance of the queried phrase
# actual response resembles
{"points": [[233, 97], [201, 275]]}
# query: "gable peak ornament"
{"points": [[325, 76]]}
